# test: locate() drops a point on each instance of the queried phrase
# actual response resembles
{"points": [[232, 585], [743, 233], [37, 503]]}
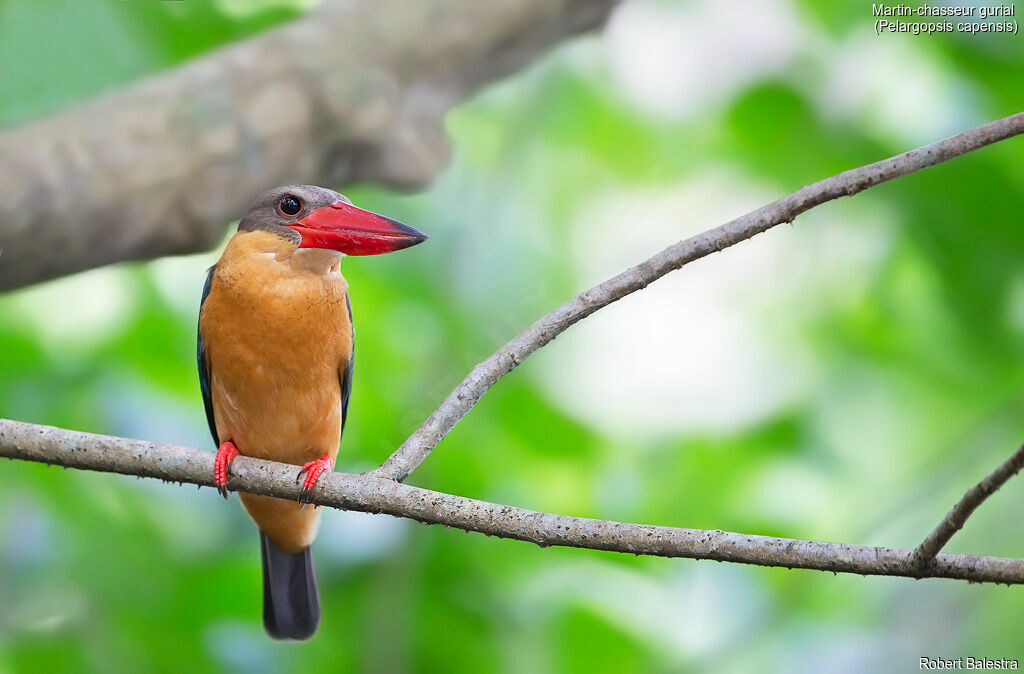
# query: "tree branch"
{"points": [[355, 91], [955, 519], [373, 494], [459, 402]]}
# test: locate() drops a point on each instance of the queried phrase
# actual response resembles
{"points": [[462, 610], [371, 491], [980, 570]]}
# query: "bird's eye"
{"points": [[290, 205]]}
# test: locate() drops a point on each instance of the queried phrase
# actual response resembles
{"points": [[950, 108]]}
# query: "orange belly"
{"points": [[278, 338]]}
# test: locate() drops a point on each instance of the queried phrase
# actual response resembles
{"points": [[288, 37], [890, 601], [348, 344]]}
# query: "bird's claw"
{"points": [[313, 470], [226, 453]]}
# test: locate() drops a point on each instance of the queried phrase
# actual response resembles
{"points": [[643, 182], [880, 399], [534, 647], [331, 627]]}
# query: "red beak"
{"points": [[353, 231]]}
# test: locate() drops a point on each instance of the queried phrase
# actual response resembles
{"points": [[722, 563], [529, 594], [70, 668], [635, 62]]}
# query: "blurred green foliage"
{"points": [[898, 316]]}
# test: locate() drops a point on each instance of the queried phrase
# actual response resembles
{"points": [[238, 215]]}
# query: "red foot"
{"points": [[313, 470], [226, 453]]}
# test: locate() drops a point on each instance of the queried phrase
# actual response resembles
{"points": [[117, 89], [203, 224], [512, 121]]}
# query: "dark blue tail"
{"points": [[291, 601]]}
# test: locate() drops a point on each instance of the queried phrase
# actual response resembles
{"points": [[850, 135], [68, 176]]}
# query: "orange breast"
{"points": [[278, 337]]}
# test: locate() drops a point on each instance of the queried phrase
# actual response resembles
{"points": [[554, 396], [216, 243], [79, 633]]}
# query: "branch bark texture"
{"points": [[355, 91], [374, 494], [956, 518], [460, 401]]}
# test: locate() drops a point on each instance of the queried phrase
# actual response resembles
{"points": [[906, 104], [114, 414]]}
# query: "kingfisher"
{"points": [[275, 357]]}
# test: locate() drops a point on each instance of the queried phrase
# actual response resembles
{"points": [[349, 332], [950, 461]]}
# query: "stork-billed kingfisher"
{"points": [[275, 351]]}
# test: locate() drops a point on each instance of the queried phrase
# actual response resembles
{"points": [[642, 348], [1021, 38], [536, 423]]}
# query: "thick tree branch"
{"points": [[373, 494], [355, 91], [955, 519], [460, 401]]}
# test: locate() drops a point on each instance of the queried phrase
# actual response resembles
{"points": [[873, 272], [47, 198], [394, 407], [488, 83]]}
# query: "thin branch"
{"points": [[459, 402], [381, 491], [373, 494], [355, 91], [955, 519]]}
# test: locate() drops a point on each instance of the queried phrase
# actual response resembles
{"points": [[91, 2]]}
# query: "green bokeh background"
{"points": [[844, 379]]}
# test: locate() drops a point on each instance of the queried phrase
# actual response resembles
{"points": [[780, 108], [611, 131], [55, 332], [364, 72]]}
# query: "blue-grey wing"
{"points": [[346, 376], [203, 362]]}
